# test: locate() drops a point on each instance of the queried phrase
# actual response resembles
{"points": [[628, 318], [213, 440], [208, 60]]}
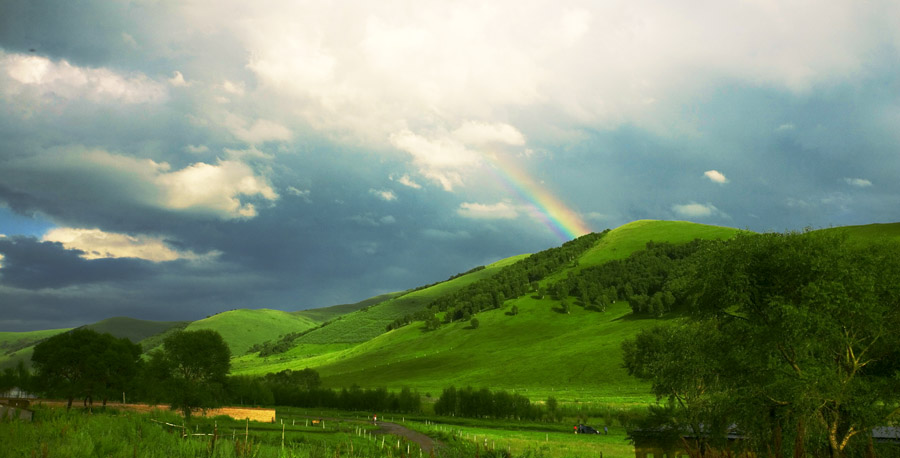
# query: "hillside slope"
{"points": [[18, 346], [540, 349], [324, 314], [370, 322], [243, 328], [133, 329]]}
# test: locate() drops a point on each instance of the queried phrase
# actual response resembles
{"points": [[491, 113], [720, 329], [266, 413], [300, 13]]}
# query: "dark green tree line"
{"points": [[484, 403], [510, 282]]}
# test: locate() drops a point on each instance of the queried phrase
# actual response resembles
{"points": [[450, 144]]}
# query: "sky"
{"points": [[169, 160]]}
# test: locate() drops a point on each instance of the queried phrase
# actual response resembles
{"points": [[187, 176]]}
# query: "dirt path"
{"points": [[426, 443]]}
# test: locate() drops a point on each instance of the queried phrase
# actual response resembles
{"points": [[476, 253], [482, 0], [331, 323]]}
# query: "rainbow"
{"points": [[541, 204]]}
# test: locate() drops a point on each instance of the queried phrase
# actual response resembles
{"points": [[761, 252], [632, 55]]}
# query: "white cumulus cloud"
{"points": [[715, 176], [858, 182], [499, 210], [259, 131], [405, 180], [440, 159], [27, 74], [695, 210], [97, 244], [214, 188], [476, 133], [383, 194], [177, 79]]}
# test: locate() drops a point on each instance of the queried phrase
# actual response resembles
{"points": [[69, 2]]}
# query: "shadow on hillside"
{"points": [[640, 317]]}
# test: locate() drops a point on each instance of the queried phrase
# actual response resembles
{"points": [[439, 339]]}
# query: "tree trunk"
{"points": [[798, 441]]}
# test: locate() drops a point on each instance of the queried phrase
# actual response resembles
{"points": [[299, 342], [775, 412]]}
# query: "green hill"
{"points": [[243, 328], [324, 314], [18, 346], [135, 330], [539, 350], [869, 232], [620, 242], [370, 322]]}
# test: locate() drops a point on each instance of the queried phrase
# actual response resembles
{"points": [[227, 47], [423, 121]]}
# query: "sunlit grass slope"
{"points": [[369, 322], [869, 232], [16, 346], [620, 242], [540, 349], [324, 314], [242, 328]]}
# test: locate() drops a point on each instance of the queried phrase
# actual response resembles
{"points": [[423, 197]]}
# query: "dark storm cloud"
{"points": [[30, 264], [356, 145], [86, 32]]}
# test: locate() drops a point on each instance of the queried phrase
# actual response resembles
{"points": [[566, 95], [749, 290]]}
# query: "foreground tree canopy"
{"points": [[193, 367], [793, 342], [85, 364]]}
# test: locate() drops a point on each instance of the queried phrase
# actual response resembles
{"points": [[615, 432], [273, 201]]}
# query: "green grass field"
{"points": [[540, 352], [242, 328]]}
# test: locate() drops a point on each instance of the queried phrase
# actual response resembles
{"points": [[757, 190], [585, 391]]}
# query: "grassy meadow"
{"points": [[243, 328]]}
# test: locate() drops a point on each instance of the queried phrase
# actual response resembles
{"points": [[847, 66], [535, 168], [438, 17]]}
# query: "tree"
{"points": [[432, 323], [194, 366], [816, 319], [474, 323], [84, 363]]}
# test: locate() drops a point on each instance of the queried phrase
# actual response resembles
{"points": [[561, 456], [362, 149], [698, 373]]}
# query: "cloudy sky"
{"points": [[172, 159]]}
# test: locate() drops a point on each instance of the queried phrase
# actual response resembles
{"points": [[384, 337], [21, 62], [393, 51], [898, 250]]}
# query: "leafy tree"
{"points": [[432, 323], [84, 363], [474, 323], [795, 342], [193, 365]]}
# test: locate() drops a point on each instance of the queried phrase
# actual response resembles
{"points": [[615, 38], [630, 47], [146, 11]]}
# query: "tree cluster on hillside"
{"points": [[649, 279], [511, 281], [484, 403], [793, 344]]}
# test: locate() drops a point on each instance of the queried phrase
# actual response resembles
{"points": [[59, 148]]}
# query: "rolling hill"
{"points": [[242, 328], [539, 349]]}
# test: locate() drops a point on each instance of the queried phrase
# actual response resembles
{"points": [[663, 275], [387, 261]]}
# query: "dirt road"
{"points": [[426, 443]]}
